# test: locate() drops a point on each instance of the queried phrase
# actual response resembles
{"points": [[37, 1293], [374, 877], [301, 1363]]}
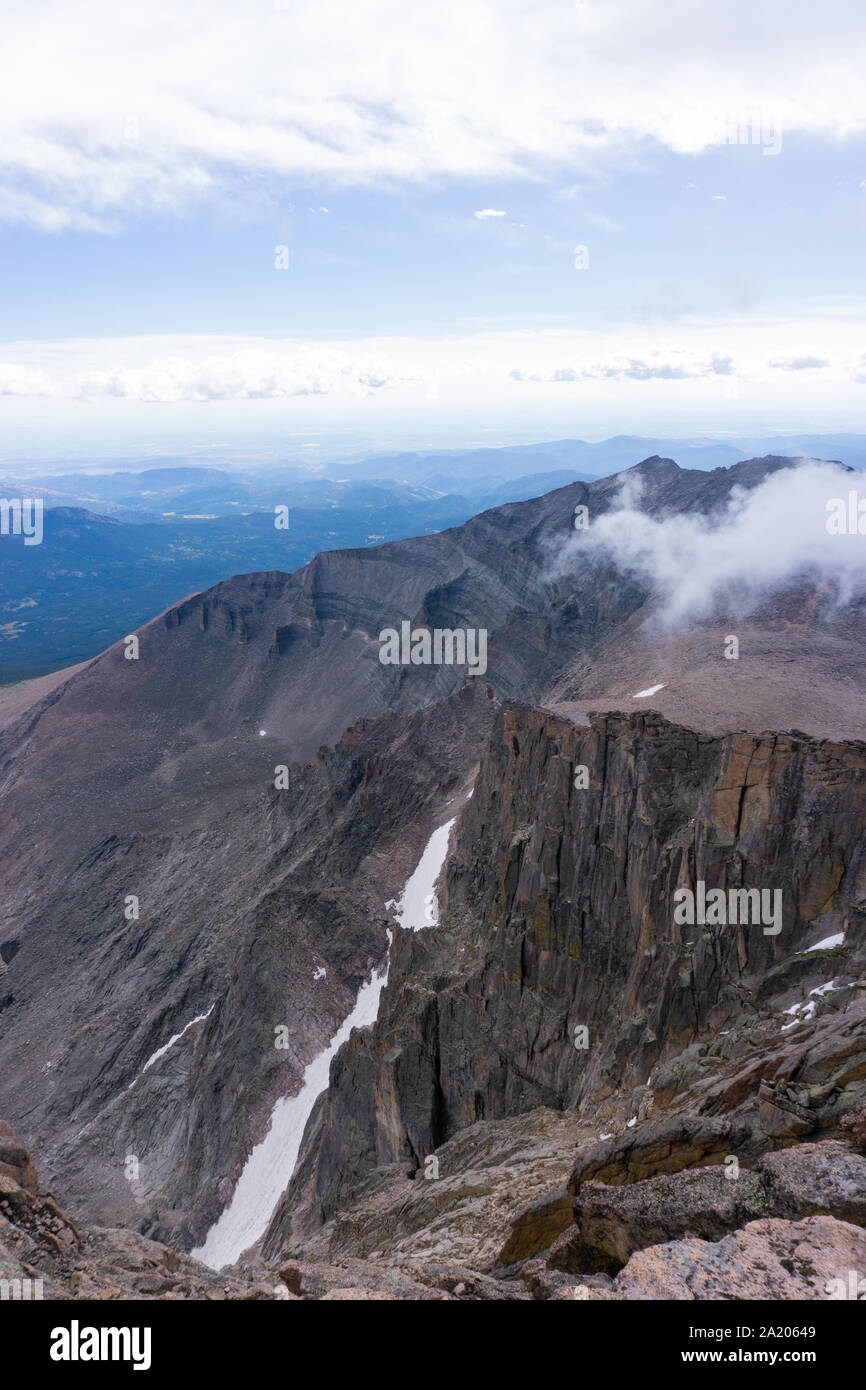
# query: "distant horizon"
{"points": [[408, 230], [279, 454]]}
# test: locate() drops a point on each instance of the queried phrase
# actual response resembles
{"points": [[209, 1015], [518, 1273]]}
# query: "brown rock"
{"points": [[666, 1146], [813, 1179], [611, 1223], [767, 1260], [537, 1227]]}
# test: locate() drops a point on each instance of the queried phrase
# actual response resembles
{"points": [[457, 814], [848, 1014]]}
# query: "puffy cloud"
{"points": [[255, 373], [17, 380], [691, 359], [110, 111], [486, 213], [766, 538], [655, 367], [803, 363]]}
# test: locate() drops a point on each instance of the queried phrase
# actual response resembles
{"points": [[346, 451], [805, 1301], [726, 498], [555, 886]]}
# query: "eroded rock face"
{"points": [[236, 920], [538, 1227], [771, 1259], [611, 1222], [15, 1161], [670, 1144], [560, 914]]}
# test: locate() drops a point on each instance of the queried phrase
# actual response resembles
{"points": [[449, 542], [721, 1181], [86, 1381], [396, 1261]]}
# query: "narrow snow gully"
{"points": [[268, 1169], [161, 1051], [418, 905]]}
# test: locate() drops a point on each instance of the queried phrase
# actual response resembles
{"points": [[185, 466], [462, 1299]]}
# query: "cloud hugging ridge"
{"points": [[765, 539]]}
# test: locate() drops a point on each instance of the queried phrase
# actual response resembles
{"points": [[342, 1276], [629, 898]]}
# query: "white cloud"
{"points": [[765, 539], [18, 380], [110, 111], [803, 362], [250, 372], [607, 369], [485, 213], [676, 366]]}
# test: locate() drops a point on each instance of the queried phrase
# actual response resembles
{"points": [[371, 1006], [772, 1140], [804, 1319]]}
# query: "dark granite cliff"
{"points": [[560, 913]]}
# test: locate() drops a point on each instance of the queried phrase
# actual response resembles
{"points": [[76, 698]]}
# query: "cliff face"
{"points": [[271, 916], [560, 914]]}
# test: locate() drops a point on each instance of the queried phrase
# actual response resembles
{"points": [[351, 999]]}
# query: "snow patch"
{"points": [[160, 1051], [825, 989], [270, 1166], [805, 1010], [418, 906], [651, 690], [826, 944], [802, 1013]]}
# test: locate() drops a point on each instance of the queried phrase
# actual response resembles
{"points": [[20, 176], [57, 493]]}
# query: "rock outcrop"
{"points": [[766, 1260], [609, 1223], [560, 919], [44, 1254]]}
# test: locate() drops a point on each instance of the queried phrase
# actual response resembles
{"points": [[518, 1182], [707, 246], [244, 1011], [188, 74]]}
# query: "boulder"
{"points": [[770, 1259], [15, 1160], [611, 1223], [667, 1145], [816, 1179]]}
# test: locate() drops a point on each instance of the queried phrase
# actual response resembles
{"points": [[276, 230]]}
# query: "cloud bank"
{"points": [[656, 366], [766, 539], [114, 111], [690, 363], [262, 373]]}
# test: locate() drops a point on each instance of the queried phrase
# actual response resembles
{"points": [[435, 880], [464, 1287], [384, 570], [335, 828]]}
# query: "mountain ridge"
{"points": [[169, 795]]}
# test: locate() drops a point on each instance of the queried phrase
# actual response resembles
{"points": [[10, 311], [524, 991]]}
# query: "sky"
{"points": [[248, 223]]}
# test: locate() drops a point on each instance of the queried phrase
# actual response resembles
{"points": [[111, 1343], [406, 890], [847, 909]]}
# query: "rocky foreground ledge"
{"points": [[791, 1227], [39, 1242]]}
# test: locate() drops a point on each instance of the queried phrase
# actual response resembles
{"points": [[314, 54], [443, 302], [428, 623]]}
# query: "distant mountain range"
{"points": [[99, 575], [121, 546]]}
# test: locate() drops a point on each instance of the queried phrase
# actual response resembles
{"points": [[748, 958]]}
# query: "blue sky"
{"points": [[154, 161]]}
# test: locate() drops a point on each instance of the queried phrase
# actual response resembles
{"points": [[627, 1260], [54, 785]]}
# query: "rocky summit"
{"points": [[332, 977]]}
